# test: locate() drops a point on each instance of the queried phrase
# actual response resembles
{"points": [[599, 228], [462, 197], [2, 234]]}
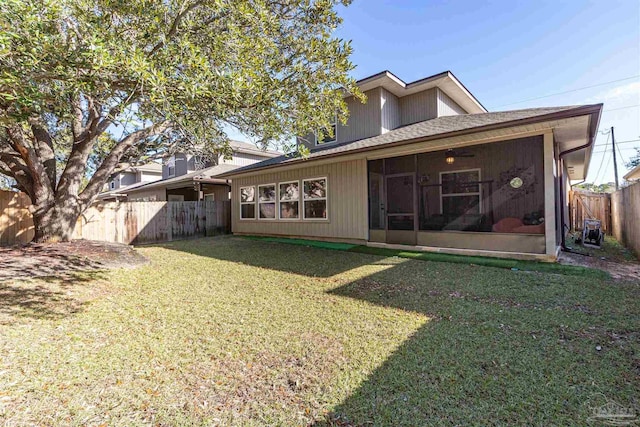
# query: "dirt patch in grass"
{"points": [[613, 258], [63, 260]]}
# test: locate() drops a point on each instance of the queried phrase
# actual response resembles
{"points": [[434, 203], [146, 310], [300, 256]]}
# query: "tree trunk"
{"points": [[55, 225]]}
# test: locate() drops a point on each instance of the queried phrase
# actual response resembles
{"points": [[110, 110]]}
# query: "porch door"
{"points": [[376, 201], [401, 208]]}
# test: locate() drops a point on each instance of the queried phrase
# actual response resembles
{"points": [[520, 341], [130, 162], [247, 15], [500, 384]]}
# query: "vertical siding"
{"points": [[364, 119], [156, 195], [419, 106], [347, 203], [390, 106], [127, 178], [498, 162], [447, 106]]}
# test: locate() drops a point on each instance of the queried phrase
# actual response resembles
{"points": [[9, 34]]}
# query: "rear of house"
{"points": [[424, 166]]}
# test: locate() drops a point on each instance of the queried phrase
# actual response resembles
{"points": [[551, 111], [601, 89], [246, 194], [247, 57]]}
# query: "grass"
{"points": [[233, 331], [511, 264]]}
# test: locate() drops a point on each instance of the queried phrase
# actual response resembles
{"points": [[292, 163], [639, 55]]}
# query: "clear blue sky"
{"points": [[510, 51]]}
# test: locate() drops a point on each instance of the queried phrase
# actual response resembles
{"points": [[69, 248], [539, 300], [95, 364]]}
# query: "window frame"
{"points": [[212, 195], [275, 202], [298, 200], [247, 203], [334, 125], [478, 193], [325, 198]]}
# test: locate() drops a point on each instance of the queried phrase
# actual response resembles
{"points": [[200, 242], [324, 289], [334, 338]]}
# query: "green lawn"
{"points": [[231, 331]]}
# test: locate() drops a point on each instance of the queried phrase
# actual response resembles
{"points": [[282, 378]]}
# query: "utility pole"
{"points": [[615, 162]]}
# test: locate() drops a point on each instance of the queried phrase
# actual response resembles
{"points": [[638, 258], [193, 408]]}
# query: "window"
{"points": [[332, 130], [315, 198], [460, 192], [267, 201], [289, 200], [175, 198], [247, 203], [209, 197]]}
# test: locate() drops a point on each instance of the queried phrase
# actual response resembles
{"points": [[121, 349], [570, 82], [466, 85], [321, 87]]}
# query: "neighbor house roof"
{"points": [[633, 174], [249, 148], [436, 128], [199, 175]]}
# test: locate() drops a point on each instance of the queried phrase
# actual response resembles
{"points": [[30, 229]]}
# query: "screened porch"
{"points": [[485, 197]]}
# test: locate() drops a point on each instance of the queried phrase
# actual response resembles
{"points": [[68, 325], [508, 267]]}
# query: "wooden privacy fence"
{"points": [[625, 216], [586, 205], [16, 224], [149, 222], [128, 222]]}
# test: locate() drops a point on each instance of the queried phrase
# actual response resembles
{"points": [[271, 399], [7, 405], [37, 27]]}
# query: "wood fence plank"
{"points": [[123, 222]]}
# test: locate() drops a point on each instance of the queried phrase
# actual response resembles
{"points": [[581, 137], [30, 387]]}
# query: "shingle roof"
{"points": [[440, 126]]}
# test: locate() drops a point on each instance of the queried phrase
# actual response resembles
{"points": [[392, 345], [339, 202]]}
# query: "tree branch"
{"points": [[111, 161], [44, 147]]}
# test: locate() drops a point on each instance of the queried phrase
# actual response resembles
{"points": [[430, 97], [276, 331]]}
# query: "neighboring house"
{"points": [[131, 177], [633, 174], [425, 166], [188, 178]]}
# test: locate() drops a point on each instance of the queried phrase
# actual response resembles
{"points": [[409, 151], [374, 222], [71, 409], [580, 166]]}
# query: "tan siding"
{"points": [[347, 203], [390, 106], [498, 162], [155, 194], [447, 106], [419, 106]]}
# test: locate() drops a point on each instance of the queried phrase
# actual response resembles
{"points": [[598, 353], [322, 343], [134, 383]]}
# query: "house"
{"points": [[633, 174], [135, 175], [425, 166], [187, 177]]}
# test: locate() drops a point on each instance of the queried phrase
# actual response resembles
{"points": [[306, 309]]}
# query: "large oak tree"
{"points": [[90, 86]]}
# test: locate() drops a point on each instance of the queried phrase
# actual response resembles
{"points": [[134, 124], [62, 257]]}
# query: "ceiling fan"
{"points": [[451, 154]]}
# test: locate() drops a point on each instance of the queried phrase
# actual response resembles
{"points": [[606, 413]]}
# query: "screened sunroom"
{"points": [[483, 197]]}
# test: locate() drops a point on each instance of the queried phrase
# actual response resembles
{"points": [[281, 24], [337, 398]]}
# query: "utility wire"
{"points": [[621, 108], [621, 142], [572, 90], [603, 156]]}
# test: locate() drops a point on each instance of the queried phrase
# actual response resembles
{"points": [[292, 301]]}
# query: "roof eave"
{"points": [[578, 111]]}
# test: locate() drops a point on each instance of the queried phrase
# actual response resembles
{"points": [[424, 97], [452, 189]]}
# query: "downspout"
{"points": [[563, 244]]}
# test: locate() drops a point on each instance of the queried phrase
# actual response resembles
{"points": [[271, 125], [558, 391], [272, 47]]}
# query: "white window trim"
{"points": [[478, 193], [300, 190], [326, 198], [275, 202], [335, 133], [255, 209]]}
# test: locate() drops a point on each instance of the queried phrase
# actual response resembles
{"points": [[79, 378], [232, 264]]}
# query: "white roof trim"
{"points": [[445, 81]]}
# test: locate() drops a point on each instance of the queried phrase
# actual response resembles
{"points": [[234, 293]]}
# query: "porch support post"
{"points": [[549, 195]]}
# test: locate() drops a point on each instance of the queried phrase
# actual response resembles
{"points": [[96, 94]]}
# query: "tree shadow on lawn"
{"points": [[296, 259], [501, 348], [47, 297]]}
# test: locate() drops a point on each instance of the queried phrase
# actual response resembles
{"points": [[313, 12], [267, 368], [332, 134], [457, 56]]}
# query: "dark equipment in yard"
{"points": [[592, 234]]}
